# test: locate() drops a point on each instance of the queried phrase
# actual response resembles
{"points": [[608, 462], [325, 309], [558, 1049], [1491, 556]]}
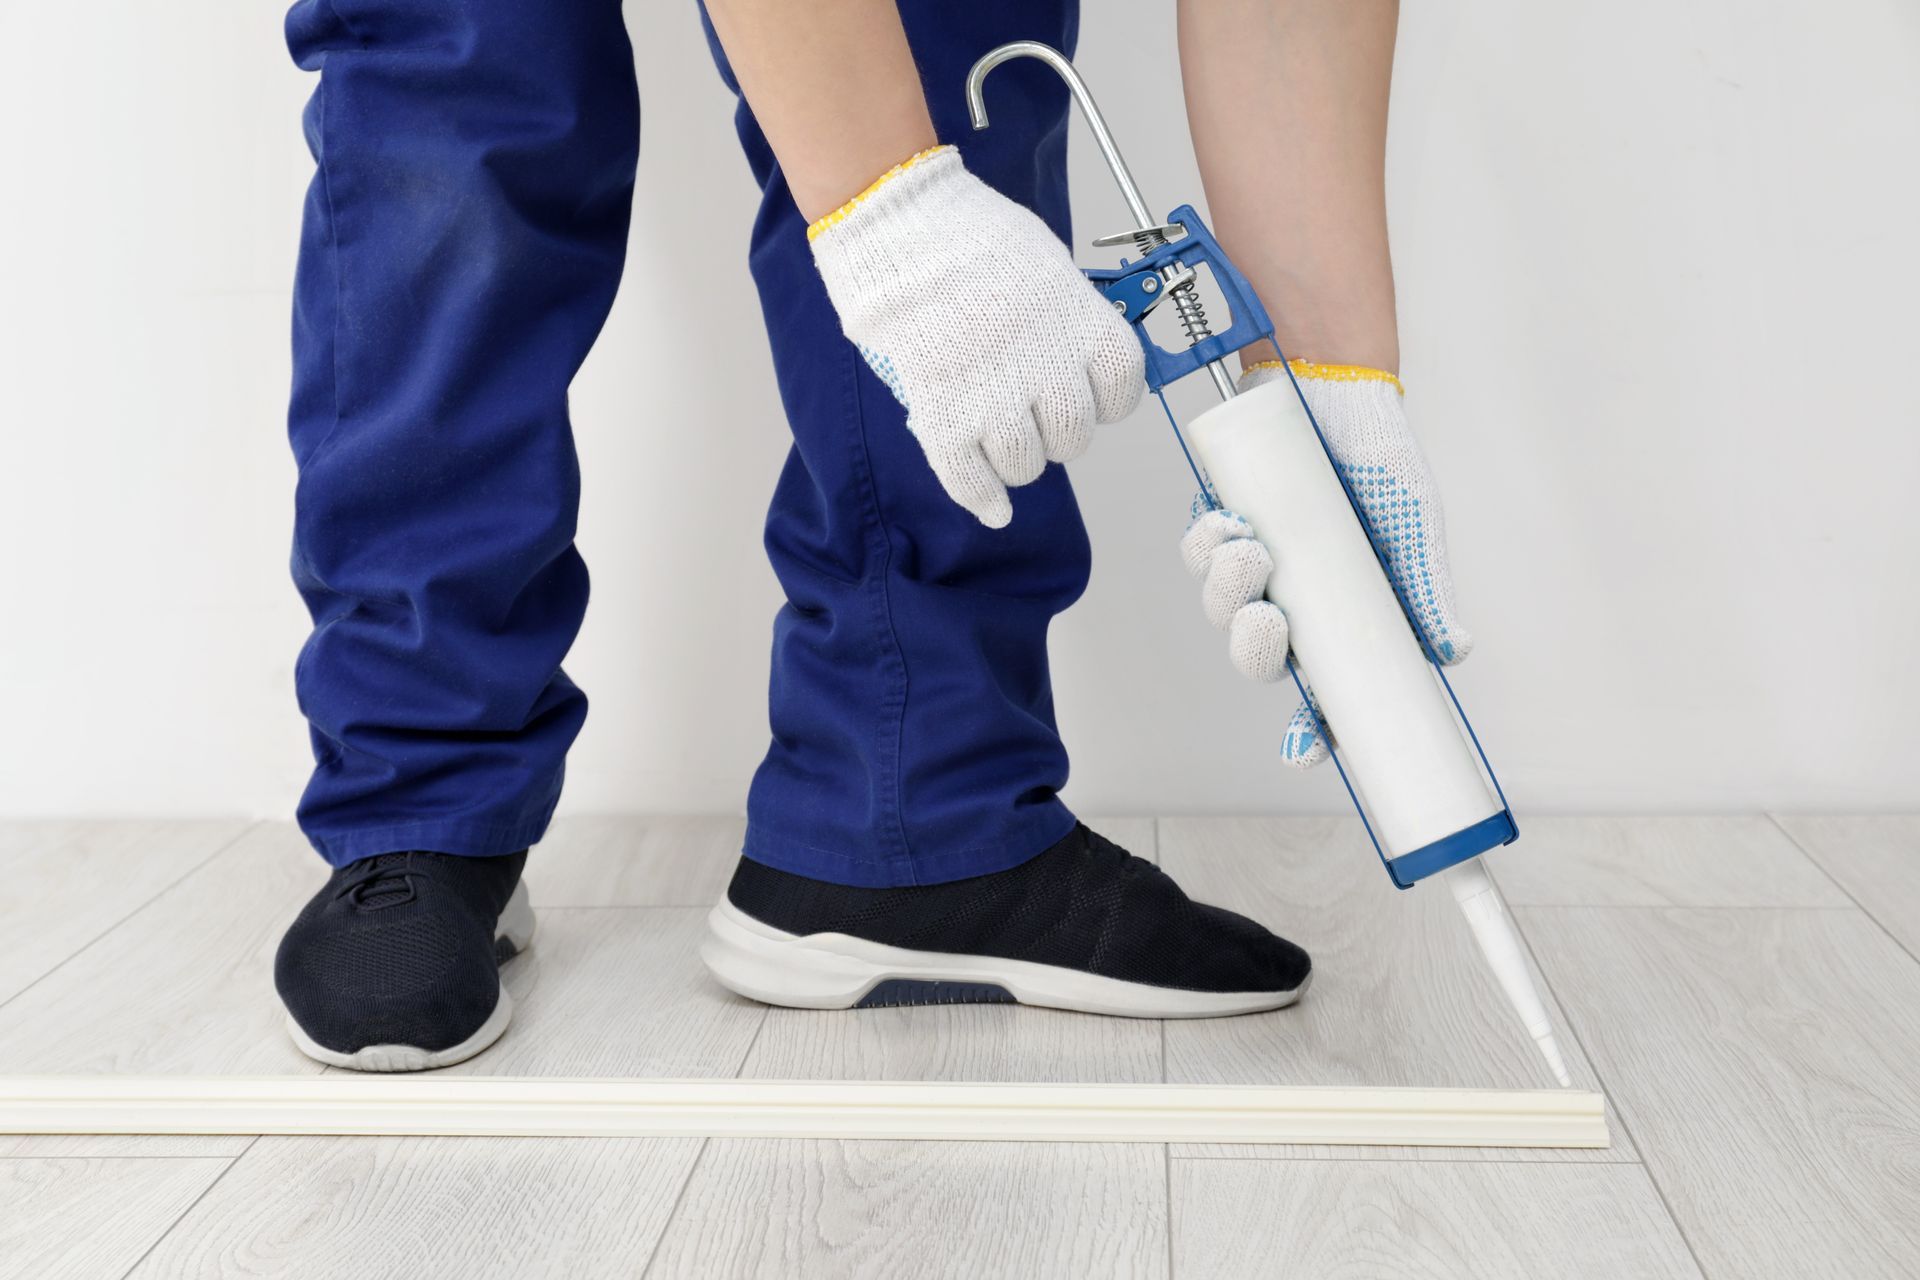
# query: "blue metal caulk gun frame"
{"points": [[1165, 272]]}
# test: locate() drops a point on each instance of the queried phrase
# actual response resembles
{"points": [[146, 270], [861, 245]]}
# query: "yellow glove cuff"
{"points": [[1330, 372], [840, 215]]}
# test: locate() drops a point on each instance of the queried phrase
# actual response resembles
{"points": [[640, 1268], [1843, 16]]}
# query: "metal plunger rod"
{"points": [[977, 108], [1145, 226]]}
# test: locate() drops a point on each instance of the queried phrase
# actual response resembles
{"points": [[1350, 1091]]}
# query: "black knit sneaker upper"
{"points": [[399, 949], [1084, 904]]}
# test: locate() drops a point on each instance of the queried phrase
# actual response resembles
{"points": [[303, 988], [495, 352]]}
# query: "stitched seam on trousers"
{"points": [[895, 703], [433, 824], [525, 833], [333, 355], [532, 827], [338, 256], [473, 825]]}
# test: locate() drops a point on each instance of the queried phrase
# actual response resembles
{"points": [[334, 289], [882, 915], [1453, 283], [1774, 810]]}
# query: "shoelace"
{"points": [[383, 881]]}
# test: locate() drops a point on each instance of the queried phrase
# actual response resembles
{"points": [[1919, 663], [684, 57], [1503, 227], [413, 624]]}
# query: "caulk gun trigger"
{"points": [[1135, 293]]}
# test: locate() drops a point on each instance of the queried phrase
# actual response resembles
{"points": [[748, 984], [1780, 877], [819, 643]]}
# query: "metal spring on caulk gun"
{"points": [[1474, 891], [1192, 313], [1187, 303]]}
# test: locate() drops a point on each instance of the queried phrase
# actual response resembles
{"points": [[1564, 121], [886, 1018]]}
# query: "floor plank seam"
{"points": [[1166, 1160], [680, 1198], [1264, 1158], [1677, 906], [186, 1212], [693, 1166], [1166, 1148], [740, 1069], [1606, 1091], [543, 905], [158, 894], [124, 1155], [1858, 905]]}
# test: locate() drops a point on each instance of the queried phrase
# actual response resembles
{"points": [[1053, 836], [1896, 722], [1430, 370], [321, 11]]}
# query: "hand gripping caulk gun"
{"points": [[1412, 764]]}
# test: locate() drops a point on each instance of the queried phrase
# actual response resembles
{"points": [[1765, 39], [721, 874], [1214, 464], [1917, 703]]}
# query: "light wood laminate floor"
{"points": [[1743, 988]]}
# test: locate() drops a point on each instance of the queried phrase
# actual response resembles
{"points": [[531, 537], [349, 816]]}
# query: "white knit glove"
{"points": [[1360, 414], [1233, 566], [972, 311]]}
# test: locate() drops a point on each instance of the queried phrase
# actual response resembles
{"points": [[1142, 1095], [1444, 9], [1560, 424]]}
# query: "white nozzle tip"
{"points": [[1550, 1050]]}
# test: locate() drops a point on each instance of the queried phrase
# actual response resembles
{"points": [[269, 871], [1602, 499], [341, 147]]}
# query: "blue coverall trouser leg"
{"points": [[461, 245]]}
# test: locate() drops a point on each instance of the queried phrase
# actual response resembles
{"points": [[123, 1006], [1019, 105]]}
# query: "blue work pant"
{"points": [[461, 245]]}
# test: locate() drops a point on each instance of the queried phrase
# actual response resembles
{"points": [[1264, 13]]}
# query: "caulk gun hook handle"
{"points": [[977, 108]]}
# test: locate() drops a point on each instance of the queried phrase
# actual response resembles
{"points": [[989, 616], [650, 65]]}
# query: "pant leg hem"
{"points": [[464, 838], [1029, 838]]}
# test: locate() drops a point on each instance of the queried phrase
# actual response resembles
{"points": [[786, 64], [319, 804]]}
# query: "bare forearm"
{"points": [[834, 87], [1287, 100]]}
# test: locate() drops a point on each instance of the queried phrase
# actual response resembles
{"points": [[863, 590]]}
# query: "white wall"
{"points": [[1658, 270]]}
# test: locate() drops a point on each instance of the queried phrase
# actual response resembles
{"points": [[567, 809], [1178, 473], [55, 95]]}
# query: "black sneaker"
{"points": [[1085, 925], [394, 965]]}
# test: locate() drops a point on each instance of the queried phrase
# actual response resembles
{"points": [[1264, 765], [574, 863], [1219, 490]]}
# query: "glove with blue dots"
{"points": [[1359, 412]]}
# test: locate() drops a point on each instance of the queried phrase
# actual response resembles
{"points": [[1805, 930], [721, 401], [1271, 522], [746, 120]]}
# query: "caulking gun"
{"points": [[1412, 764]]}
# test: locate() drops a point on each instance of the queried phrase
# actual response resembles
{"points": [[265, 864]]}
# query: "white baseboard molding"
{"points": [[481, 1105]]}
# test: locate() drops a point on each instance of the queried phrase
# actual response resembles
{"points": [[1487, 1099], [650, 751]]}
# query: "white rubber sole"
{"points": [[516, 926], [836, 971]]}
